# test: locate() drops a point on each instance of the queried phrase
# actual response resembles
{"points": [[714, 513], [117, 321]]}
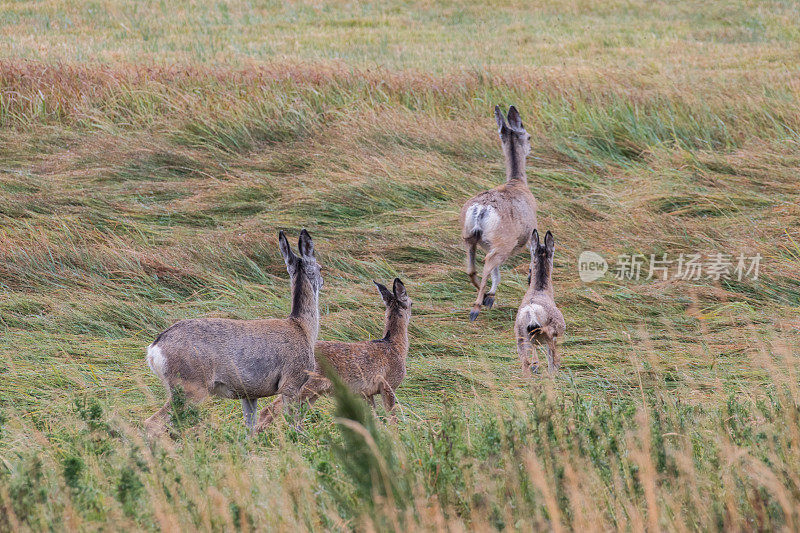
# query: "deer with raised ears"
{"points": [[244, 359], [500, 220], [539, 321], [369, 367]]}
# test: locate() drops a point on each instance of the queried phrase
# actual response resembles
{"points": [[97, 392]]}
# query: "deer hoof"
{"points": [[488, 300], [473, 315], [534, 369]]}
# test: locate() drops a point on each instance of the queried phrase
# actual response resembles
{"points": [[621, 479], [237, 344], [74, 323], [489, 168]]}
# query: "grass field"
{"points": [[150, 152]]}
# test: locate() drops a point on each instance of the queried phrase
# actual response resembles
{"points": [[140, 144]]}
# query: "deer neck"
{"points": [[396, 330], [515, 164], [542, 280], [305, 305]]}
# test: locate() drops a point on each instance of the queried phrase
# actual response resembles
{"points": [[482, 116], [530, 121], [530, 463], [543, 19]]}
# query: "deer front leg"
{"points": [[315, 387], [389, 401], [268, 414], [296, 412], [249, 407], [293, 393]]}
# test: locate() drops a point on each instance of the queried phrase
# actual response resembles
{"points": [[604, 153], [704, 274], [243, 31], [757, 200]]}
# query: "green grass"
{"points": [[145, 173]]}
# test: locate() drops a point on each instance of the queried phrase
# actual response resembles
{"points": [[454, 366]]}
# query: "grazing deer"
{"points": [[244, 359], [500, 220], [369, 367], [538, 320]]}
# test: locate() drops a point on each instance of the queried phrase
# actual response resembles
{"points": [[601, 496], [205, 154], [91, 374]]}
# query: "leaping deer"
{"points": [[500, 220]]}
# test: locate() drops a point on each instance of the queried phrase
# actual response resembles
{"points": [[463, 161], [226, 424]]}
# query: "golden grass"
{"points": [[678, 39]]}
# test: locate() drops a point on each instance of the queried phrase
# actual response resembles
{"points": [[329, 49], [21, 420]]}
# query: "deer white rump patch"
{"points": [[533, 315], [156, 360], [481, 218]]}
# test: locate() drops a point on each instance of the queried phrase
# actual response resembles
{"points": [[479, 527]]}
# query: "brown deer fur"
{"points": [[244, 359], [500, 220], [368, 367], [539, 321]]}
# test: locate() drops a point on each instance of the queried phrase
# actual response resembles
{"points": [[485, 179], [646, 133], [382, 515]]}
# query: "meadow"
{"points": [[149, 154]]}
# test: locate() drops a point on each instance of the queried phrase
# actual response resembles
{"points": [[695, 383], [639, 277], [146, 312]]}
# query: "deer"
{"points": [[244, 359], [539, 321], [500, 220], [368, 368]]}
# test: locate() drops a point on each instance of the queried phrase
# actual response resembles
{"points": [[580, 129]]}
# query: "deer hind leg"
{"points": [[156, 424], [471, 270], [488, 300], [526, 352], [191, 391], [553, 359], [493, 260]]}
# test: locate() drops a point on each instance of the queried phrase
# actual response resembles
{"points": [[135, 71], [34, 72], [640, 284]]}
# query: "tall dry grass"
{"points": [[552, 459]]}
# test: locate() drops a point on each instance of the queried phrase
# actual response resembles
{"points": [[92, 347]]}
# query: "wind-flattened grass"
{"points": [[160, 165], [704, 205], [351, 204], [240, 134]]}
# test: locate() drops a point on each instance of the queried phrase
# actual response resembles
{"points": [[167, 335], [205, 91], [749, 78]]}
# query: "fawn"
{"points": [[244, 359], [500, 220], [538, 319], [368, 367]]}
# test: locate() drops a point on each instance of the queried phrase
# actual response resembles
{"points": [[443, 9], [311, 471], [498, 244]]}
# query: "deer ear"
{"points": [[399, 290], [386, 294], [286, 251], [514, 120], [549, 242], [501, 121], [305, 244], [535, 240]]}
